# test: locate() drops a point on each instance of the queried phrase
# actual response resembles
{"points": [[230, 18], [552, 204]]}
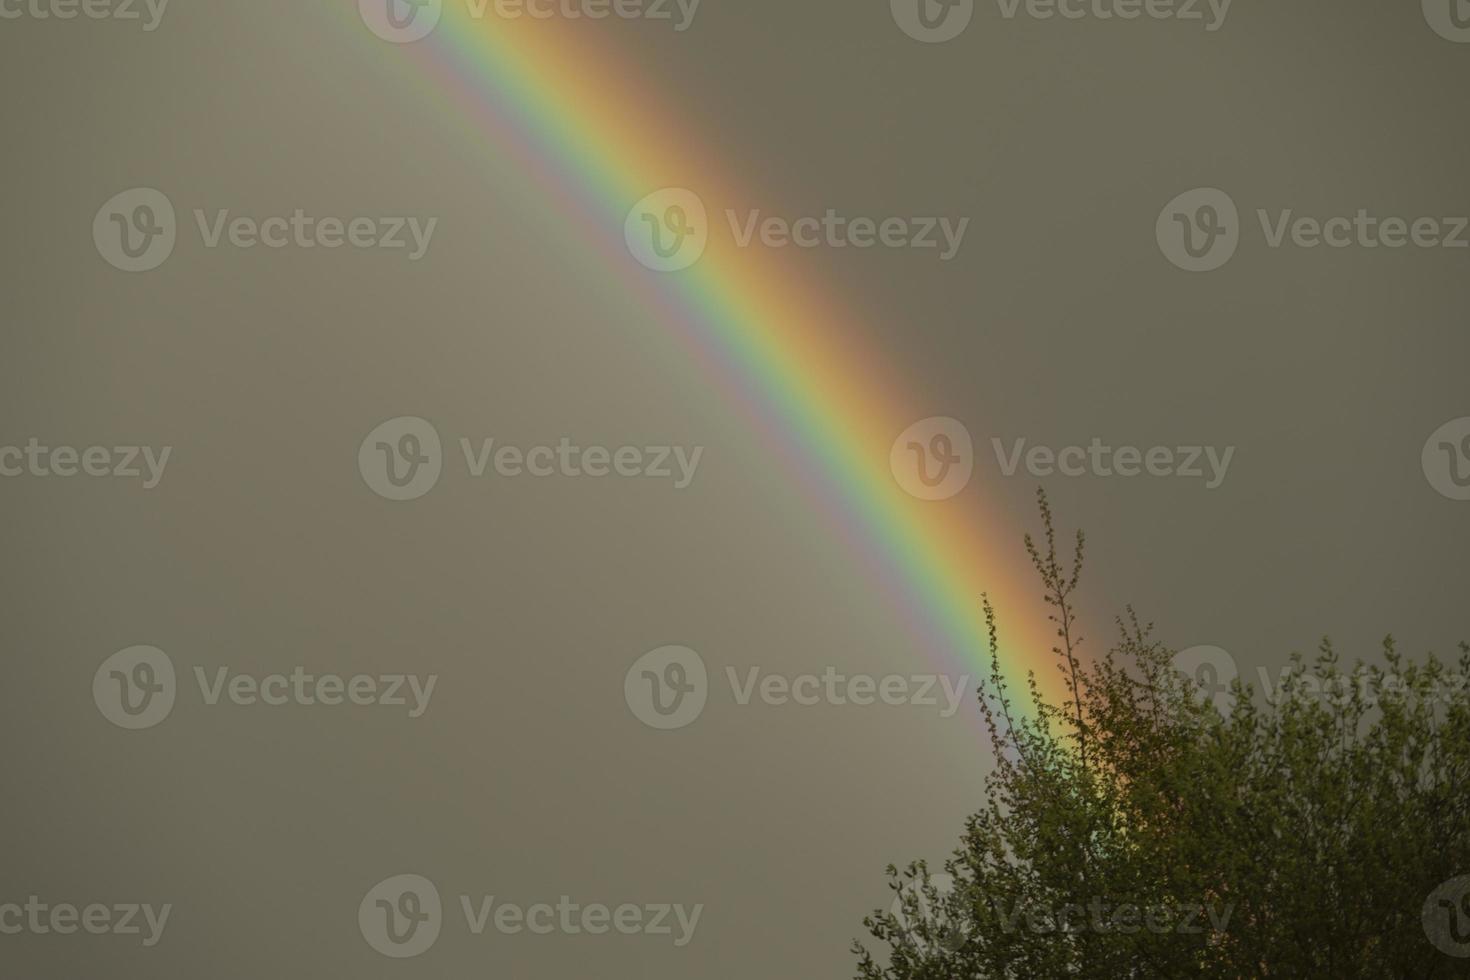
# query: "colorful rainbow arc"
{"points": [[785, 354]]}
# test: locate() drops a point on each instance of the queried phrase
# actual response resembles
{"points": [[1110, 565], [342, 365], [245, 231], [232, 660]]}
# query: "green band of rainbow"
{"points": [[787, 354]]}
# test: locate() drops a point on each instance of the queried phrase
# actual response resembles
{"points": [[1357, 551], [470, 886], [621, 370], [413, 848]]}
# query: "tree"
{"points": [[1138, 829]]}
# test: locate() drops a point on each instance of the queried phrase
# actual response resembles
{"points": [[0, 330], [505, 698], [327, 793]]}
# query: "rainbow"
{"points": [[784, 353]]}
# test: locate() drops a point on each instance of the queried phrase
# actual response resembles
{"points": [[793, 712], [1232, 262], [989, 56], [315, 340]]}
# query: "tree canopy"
{"points": [[1141, 829]]}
